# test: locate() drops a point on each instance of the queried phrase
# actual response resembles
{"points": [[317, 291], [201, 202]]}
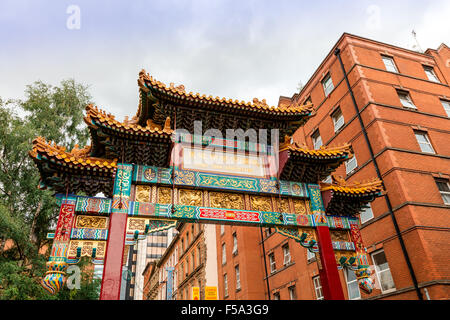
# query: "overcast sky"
{"points": [[234, 49]]}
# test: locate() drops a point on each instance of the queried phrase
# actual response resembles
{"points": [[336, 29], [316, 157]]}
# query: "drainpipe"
{"points": [[265, 263], [337, 53]]}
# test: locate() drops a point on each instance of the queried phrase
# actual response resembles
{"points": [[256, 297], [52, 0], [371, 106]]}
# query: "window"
{"points": [[352, 285], [389, 64], [405, 99], [366, 214], [199, 260], [310, 256], [286, 254], [276, 296], [224, 254], [187, 266], [318, 288], [351, 165], [192, 230], [235, 245], [175, 277], [182, 272], [182, 246], [225, 285], [383, 272], [424, 142], [308, 101], [328, 180], [269, 231], [292, 293], [446, 105], [193, 260], [327, 84], [238, 277], [444, 189], [338, 119], [317, 139], [273, 267], [429, 71], [222, 229]]}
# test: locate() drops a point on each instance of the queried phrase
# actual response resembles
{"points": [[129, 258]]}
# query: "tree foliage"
{"points": [[27, 213]]}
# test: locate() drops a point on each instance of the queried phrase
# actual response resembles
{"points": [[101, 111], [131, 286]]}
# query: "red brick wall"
{"points": [[407, 172]]}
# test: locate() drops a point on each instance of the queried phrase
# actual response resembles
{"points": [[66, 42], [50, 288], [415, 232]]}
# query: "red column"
{"points": [[112, 271], [329, 274]]}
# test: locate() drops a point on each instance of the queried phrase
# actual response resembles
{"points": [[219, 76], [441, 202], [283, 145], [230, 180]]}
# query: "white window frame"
{"points": [[431, 75], [378, 272], [426, 143], [328, 179], [444, 194], [318, 288], [389, 63], [235, 244], [317, 140], [405, 99], [222, 229], [327, 84], [224, 253], [446, 105], [286, 255], [238, 277], [276, 296], [225, 284], [351, 165], [367, 213], [310, 255], [348, 283], [272, 263], [292, 292], [338, 121]]}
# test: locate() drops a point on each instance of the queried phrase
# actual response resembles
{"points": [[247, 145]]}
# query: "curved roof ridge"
{"points": [[76, 156], [93, 112], [323, 151], [343, 186], [145, 80]]}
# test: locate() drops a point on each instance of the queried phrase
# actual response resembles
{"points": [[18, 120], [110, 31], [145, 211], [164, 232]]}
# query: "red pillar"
{"points": [[112, 271], [329, 274]]}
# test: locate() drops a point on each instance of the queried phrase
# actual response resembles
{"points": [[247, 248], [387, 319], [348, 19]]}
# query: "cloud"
{"points": [[234, 49]]}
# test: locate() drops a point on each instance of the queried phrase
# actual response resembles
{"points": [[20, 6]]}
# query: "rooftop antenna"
{"points": [[416, 46]]}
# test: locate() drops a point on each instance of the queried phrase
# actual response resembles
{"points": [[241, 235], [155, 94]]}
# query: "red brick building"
{"points": [[194, 264], [393, 106]]}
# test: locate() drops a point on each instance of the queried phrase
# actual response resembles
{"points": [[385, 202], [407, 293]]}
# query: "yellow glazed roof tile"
{"points": [[342, 186], [345, 149], [131, 126], [75, 157], [145, 78]]}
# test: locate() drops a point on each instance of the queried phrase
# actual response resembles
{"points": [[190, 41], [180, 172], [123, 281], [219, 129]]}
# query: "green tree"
{"points": [[27, 213]]}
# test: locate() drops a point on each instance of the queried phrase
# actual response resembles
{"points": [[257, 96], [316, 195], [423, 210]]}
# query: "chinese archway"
{"points": [[146, 170]]}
